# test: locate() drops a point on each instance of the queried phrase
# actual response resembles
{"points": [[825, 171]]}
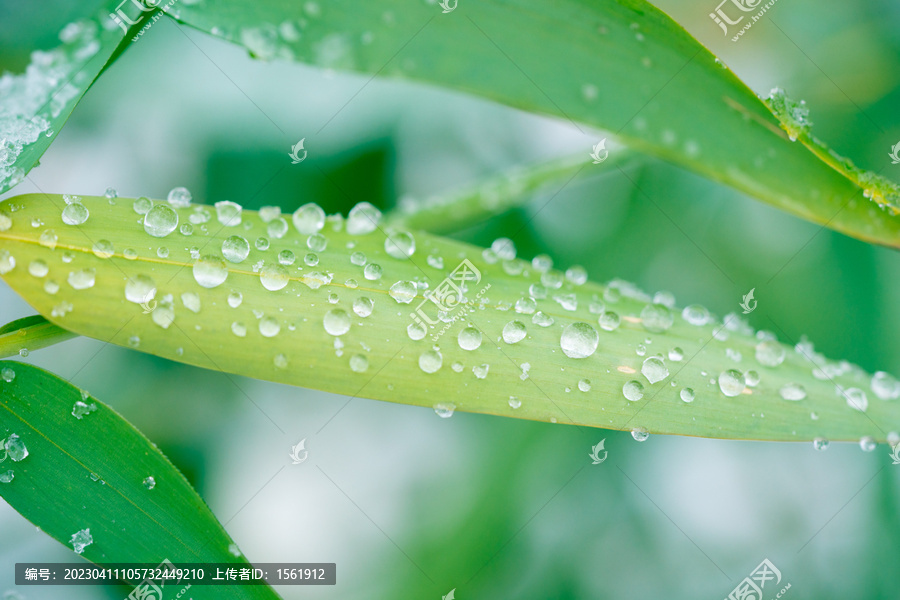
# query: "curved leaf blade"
{"points": [[278, 332], [36, 104], [622, 66], [88, 473], [30, 333]]}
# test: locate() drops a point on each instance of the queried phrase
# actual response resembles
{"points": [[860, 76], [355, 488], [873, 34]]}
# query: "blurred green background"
{"points": [[413, 505]]}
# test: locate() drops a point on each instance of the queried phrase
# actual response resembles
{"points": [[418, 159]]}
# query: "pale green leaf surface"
{"points": [[303, 353], [89, 473], [622, 66]]}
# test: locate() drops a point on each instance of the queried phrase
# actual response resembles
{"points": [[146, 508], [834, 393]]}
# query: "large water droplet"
{"points": [[400, 245], [579, 340], [363, 219], [731, 382], [430, 361], [179, 197], [228, 213], [856, 399], [403, 291], [8, 374], [210, 271], [696, 315], [792, 392], [161, 220], [514, 332], [770, 353], [82, 279], [103, 249], [142, 205], [657, 318], [235, 249], [274, 276], [633, 390], [317, 242], [309, 218], [269, 326], [15, 448], [277, 228], [336, 321], [654, 369], [373, 272], [75, 214], [469, 338]]}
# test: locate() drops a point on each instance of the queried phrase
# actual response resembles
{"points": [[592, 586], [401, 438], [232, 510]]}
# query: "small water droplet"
{"points": [[372, 272], [277, 228], [400, 245], [269, 326], [81, 408], [179, 197], [274, 277], [81, 540], [657, 318], [359, 363], [696, 315], [15, 448], [770, 353], [403, 291], [820, 444], [640, 434], [415, 331], [856, 399], [336, 321], [469, 338], [362, 219], [687, 395], [609, 321], [654, 369], [228, 213], [514, 402], [867, 443], [8, 374], [481, 371], [317, 242], [444, 409], [792, 391], [584, 385], [542, 320], [430, 361], [210, 271], [149, 482]]}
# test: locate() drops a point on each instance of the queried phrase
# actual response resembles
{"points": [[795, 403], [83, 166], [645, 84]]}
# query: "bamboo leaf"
{"points": [[87, 476], [30, 333], [621, 66], [313, 318], [35, 105]]}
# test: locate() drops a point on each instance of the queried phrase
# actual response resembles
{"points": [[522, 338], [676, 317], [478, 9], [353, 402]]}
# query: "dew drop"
{"points": [[277, 228], [149, 482], [274, 277], [579, 340], [15, 448], [696, 315], [633, 390], [656, 318], [820, 444], [82, 279], [867, 443], [514, 332], [542, 320], [336, 321], [481, 371], [7, 477], [885, 386], [792, 392], [235, 249], [770, 353], [430, 361], [238, 329], [731, 382], [287, 258], [235, 298], [654, 369], [415, 331], [309, 218], [210, 271], [269, 327], [48, 239], [373, 272], [81, 408], [8, 374], [444, 409], [609, 321], [403, 291], [228, 213], [856, 399], [584, 385], [640, 434], [317, 242], [363, 306], [179, 197], [81, 540], [400, 245], [75, 214], [160, 221], [687, 394], [514, 402], [751, 378], [362, 219], [469, 339]]}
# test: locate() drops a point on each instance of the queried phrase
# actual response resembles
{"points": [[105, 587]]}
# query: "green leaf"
{"points": [[30, 333], [80, 471], [36, 104], [278, 330], [622, 66]]}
